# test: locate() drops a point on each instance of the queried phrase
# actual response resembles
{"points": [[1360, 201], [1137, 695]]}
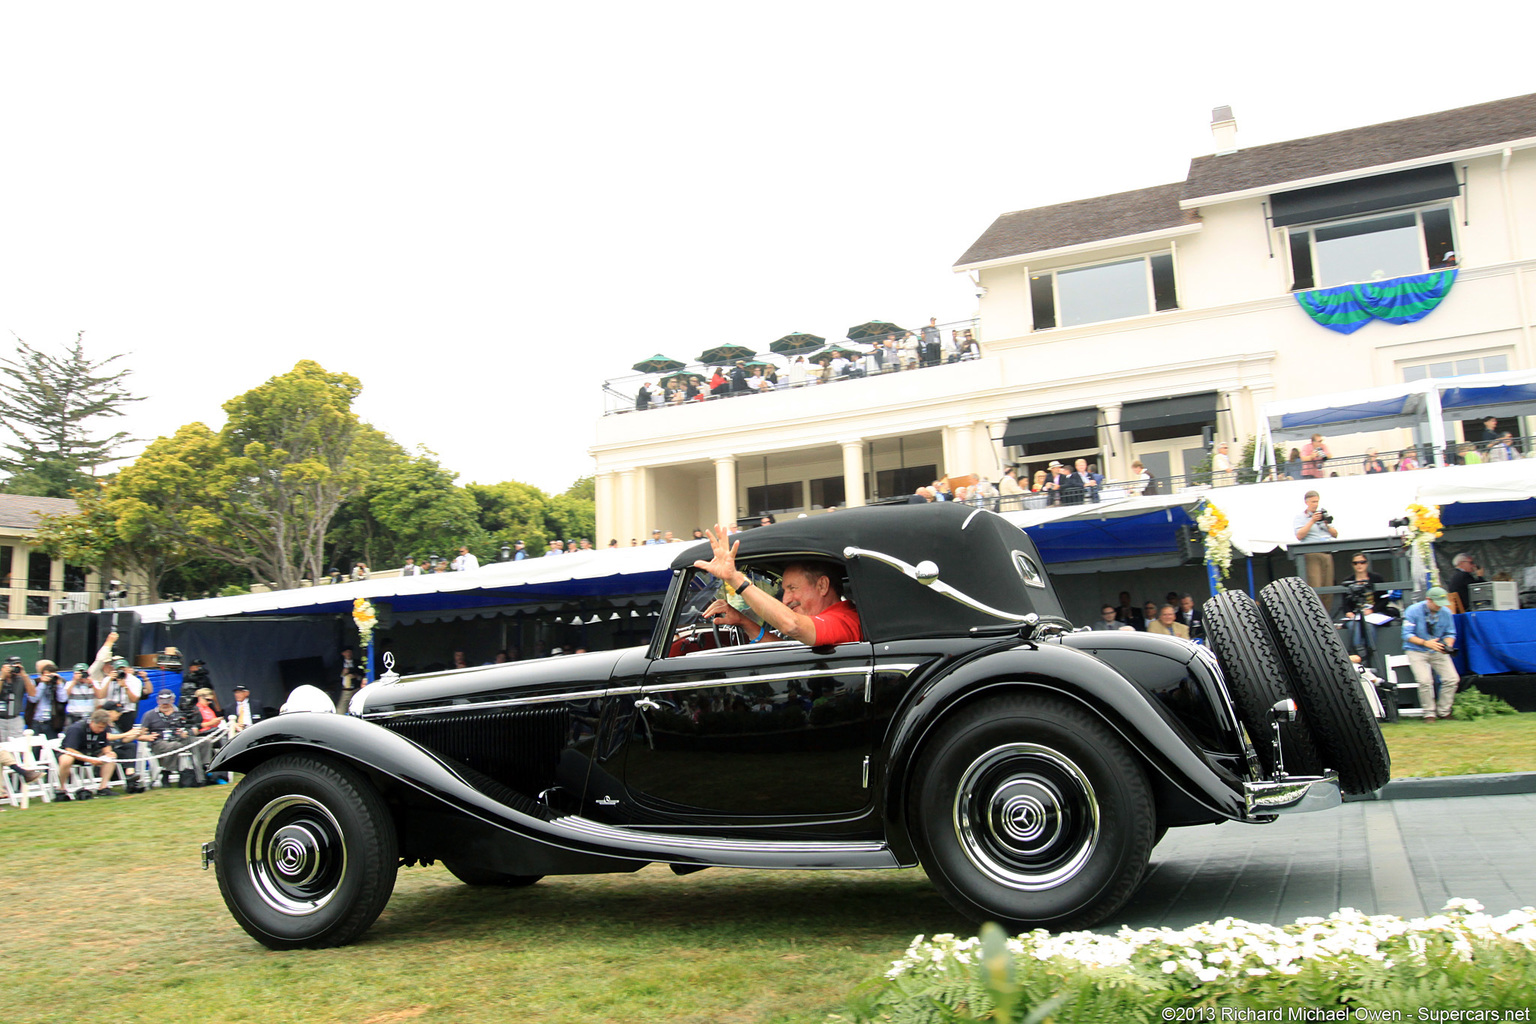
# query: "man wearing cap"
{"points": [[86, 742], [167, 729], [80, 695], [244, 712], [1429, 634]]}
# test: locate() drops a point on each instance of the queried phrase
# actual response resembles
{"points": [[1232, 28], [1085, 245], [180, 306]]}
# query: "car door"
{"points": [[757, 733]]}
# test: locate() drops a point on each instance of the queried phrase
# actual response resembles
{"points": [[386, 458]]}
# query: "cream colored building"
{"points": [[1120, 327], [33, 584]]}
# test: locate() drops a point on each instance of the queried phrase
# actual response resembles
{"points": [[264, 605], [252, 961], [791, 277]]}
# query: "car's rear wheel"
{"points": [[1028, 810], [1326, 685], [306, 853], [1236, 633], [470, 874]]}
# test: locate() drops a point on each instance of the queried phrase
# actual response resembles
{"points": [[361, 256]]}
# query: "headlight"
{"points": [[308, 698]]}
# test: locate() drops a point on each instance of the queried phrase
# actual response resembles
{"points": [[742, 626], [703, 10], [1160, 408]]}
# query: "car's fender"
{"points": [[1166, 747]]}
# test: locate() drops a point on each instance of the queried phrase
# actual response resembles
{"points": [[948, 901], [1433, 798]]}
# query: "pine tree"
{"points": [[48, 404]]}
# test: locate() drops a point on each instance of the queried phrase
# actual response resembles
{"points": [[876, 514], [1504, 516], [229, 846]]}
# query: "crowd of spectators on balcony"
{"points": [[897, 351]]}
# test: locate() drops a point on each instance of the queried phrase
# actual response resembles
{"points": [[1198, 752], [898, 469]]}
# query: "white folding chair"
{"points": [[1394, 663]]}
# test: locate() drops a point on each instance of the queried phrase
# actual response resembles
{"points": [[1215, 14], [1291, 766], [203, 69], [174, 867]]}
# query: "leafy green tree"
{"points": [[259, 494], [511, 511], [49, 402], [410, 506]]}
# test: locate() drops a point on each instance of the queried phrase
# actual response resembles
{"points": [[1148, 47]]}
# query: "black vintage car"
{"points": [[1029, 768]]}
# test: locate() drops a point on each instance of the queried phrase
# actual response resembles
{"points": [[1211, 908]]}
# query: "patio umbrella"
{"points": [[797, 344], [726, 354], [660, 364], [873, 329], [833, 351]]}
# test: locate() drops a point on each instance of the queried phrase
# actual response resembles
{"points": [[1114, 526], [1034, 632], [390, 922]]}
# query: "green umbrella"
{"points": [[873, 329], [797, 344], [659, 364], [833, 351], [726, 354]]}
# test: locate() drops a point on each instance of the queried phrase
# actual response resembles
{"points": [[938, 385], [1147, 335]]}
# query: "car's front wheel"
{"points": [[1030, 811], [306, 853]]}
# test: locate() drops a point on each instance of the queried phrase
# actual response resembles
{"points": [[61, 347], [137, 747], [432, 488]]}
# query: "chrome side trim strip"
{"points": [[938, 586], [610, 834], [623, 691], [490, 705]]}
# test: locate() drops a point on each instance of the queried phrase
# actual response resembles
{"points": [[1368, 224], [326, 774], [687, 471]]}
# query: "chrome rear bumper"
{"points": [[1291, 795]]}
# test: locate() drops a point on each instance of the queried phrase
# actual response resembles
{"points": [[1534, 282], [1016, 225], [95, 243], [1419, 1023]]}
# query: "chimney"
{"points": [[1224, 128]]}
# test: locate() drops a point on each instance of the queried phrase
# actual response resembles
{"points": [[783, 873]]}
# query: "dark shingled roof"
{"points": [[1482, 124], [1080, 221], [1153, 209], [20, 511]]}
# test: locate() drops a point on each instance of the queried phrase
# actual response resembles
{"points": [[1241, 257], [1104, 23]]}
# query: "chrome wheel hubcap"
{"points": [[295, 854], [1026, 816]]}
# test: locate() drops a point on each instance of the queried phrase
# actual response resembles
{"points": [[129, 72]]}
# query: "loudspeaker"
{"points": [[1191, 545], [73, 641], [128, 627]]}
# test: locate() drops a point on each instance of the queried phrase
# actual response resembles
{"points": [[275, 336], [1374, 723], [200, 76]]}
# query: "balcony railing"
{"points": [[959, 342]]}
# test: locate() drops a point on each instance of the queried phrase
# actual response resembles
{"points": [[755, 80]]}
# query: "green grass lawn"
{"points": [[1500, 743], [107, 915]]}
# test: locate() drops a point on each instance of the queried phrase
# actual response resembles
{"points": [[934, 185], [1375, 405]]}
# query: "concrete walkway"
{"points": [[1405, 854]]}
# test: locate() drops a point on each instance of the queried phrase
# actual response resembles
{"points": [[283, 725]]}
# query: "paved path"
{"points": [[1402, 856]]}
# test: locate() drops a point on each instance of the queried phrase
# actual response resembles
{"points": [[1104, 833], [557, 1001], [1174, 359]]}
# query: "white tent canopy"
{"points": [[495, 578], [1429, 403]]}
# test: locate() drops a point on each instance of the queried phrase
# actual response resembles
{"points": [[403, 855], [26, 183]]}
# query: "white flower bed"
{"points": [[1232, 948]]}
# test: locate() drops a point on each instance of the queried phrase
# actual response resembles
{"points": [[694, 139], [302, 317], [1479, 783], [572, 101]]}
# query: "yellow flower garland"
{"points": [[1426, 530], [365, 618], [1218, 541]]}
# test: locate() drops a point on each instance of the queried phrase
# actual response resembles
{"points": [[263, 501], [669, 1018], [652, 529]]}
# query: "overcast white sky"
{"points": [[484, 210]]}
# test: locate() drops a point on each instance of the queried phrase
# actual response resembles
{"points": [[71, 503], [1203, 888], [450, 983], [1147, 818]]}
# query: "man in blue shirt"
{"points": [[1429, 634]]}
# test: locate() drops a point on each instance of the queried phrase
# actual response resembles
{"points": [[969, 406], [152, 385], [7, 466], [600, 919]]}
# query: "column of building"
{"points": [[725, 489]]}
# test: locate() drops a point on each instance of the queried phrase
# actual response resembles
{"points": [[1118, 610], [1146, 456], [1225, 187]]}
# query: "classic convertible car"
{"points": [[1029, 768]]}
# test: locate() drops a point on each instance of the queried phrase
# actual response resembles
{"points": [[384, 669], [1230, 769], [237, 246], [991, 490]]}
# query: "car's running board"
{"points": [[1291, 795], [755, 853]]}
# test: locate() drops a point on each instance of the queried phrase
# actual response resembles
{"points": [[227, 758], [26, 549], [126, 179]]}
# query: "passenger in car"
{"points": [[812, 611]]}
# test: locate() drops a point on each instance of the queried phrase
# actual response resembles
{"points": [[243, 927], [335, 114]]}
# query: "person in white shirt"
{"points": [[410, 568], [465, 561]]}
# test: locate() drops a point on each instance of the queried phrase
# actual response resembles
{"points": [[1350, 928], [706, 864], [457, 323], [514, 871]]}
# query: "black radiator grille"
{"points": [[519, 747]]}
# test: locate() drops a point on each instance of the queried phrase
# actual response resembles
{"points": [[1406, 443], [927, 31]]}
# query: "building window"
{"points": [[828, 491], [5, 606], [37, 605], [1460, 366], [1103, 291], [775, 498], [6, 553], [1372, 248], [894, 482], [39, 572]]}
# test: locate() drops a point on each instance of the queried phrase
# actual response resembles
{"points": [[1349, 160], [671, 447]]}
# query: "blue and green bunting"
{"points": [[1401, 300]]}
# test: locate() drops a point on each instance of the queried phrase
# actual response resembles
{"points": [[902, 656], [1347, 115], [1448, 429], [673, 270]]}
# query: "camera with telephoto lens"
{"points": [[1326, 516], [1398, 524], [1360, 595]]}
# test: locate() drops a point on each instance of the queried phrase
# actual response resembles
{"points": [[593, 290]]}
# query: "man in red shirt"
{"points": [[812, 611]]}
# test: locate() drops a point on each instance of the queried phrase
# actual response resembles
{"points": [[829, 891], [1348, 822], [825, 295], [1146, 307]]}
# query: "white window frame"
{"points": [[1146, 261], [1418, 219]]}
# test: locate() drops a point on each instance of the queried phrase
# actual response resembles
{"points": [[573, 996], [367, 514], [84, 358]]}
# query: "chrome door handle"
{"points": [[646, 704]]}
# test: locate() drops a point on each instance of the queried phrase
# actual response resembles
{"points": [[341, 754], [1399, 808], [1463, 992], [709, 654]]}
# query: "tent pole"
{"points": [[1436, 422]]}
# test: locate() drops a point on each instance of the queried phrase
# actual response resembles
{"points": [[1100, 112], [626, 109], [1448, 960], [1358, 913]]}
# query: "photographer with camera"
{"points": [[45, 715], [13, 699], [1316, 524], [169, 731], [1363, 595]]}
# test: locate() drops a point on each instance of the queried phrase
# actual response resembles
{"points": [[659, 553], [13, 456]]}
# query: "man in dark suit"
{"points": [[1461, 578], [244, 709], [1129, 614]]}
